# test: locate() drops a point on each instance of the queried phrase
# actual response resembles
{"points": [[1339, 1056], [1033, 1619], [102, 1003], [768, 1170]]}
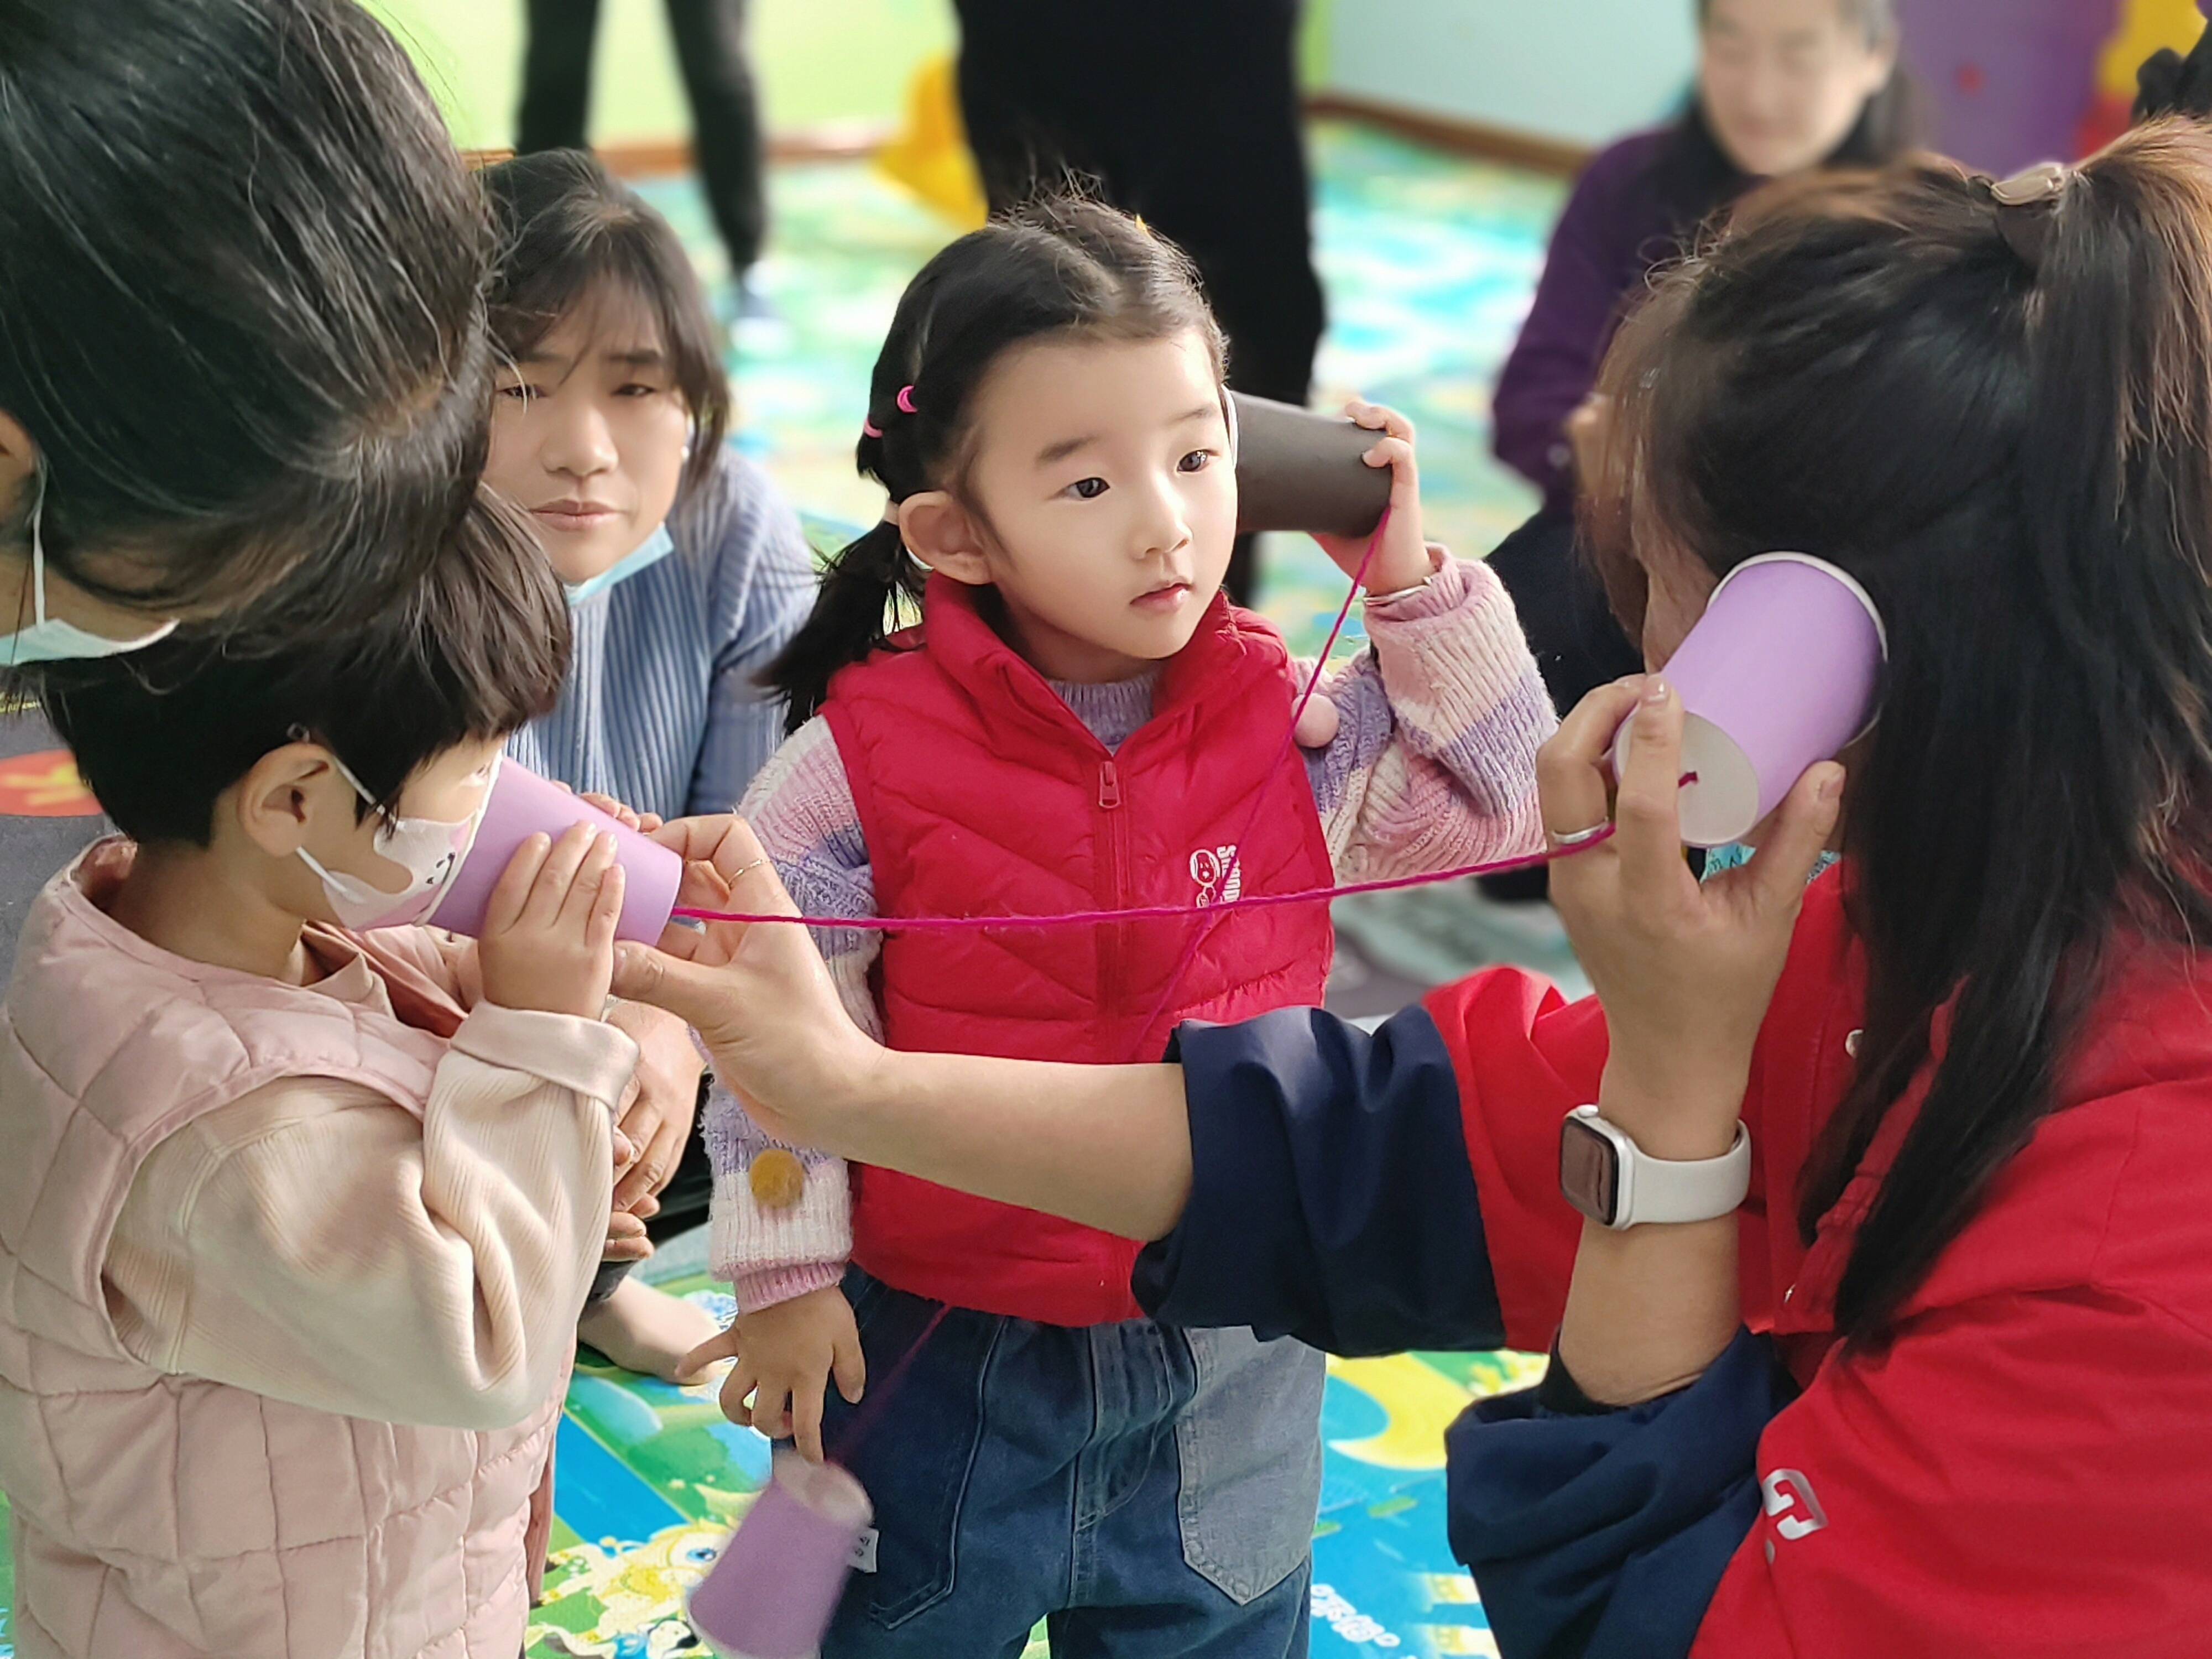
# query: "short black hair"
{"points": [[479, 647], [569, 230]]}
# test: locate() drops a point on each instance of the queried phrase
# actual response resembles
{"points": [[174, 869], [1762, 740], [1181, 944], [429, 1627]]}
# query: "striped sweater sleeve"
{"points": [[761, 586], [1433, 766], [801, 807]]}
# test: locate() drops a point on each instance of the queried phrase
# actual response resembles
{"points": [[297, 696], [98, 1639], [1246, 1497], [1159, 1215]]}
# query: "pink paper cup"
{"points": [[774, 1591], [1783, 672], [522, 804]]}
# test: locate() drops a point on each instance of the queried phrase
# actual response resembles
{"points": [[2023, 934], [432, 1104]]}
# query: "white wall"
{"points": [[1579, 71]]}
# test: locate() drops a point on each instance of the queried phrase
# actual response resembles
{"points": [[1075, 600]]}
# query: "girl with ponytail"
{"points": [[1024, 692]]}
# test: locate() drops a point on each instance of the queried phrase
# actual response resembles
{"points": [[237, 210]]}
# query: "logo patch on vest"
{"points": [[1220, 878]]}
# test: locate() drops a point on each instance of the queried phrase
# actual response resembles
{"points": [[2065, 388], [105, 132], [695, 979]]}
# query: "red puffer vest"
{"points": [[980, 793]]}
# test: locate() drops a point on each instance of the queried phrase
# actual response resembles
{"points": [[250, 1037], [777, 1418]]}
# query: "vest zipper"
{"points": [[1113, 849]]}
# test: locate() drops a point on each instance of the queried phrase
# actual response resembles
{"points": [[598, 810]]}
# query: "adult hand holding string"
{"points": [[757, 995]]}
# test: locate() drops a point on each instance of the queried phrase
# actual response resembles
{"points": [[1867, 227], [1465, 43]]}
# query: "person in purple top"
{"points": [[1783, 86]]}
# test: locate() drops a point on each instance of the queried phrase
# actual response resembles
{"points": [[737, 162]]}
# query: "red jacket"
{"points": [[2024, 1467], [980, 792]]}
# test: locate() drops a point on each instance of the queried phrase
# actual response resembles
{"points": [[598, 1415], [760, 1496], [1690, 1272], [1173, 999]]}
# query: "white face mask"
{"points": [[49, 639], [658, 546], [429, 851]]}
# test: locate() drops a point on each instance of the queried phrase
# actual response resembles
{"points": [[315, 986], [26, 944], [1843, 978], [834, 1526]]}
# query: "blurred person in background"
{"points": [[717, 80], [1186, 115], [1782, 87]]}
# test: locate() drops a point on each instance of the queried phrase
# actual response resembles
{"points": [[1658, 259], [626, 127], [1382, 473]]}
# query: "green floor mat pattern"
{"points": [[652, 1477]]}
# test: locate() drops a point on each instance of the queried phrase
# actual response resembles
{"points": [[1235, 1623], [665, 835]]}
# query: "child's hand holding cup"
{"points": [[547, 941]]}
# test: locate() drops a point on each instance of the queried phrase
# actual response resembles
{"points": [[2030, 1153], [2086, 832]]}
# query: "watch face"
{"points": [[1590, 1171]]}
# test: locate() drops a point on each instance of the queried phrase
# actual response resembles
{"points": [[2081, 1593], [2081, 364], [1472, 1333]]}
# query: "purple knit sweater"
{"points": [[1630, 212]]}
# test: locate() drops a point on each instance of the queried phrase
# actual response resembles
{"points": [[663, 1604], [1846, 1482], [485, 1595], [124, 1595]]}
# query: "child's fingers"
{"points": [[736, 1397], [849, 1366], [1393, 453], [806, 1420], [772, 1410], [513, 889], [713, 1351], [581, 898], [1379, 417], [626, 1238], [613, 808], [606, 908], [556, 875]]}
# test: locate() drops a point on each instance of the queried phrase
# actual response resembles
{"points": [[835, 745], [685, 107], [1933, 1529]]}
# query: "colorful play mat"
{"points": [[652, 1477], [1429, 264]]}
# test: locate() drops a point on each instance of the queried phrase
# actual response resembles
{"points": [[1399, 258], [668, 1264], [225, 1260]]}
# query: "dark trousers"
{"points": [[1185, 114], [718, 79], [1579, 644]]}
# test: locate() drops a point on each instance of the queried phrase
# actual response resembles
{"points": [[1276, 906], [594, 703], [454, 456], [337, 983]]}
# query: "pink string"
{"points": [[1183, 912], [1148, 912]]}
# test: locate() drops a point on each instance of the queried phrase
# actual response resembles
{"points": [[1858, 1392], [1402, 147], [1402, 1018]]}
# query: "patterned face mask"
{"points": [[428, 850]]}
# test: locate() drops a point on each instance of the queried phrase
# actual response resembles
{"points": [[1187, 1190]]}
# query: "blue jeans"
{"points": [[1149, 1491]]}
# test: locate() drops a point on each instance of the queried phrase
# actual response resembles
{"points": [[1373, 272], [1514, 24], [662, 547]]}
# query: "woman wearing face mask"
{"points": [[242, 342], [1784, 86]]}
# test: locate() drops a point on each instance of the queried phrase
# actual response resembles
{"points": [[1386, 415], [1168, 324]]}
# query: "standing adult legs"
{"points": [[1188, 115], [557, 74], [726, 125]]}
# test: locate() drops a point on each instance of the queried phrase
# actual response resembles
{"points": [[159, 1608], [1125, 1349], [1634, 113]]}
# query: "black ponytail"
{"points": [[863, 585], [1062, 266]]}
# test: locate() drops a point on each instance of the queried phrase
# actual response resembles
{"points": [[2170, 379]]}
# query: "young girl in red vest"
{"points": [[1080, 722]]}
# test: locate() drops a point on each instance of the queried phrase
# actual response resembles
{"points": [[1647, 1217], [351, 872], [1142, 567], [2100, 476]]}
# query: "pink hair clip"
{"points": [[906, 399]]}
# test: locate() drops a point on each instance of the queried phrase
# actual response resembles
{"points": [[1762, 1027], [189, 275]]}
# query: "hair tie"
{"points": [[2027, 208], [870, 429], [906, 399]]}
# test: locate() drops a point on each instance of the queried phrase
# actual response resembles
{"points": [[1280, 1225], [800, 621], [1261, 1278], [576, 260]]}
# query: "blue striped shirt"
{"points": [[660, 710]]}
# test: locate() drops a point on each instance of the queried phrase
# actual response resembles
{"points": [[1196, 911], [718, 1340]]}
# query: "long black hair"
{"points": [[1062, 266], [241, 313], [570, 232], [2000, 421]]}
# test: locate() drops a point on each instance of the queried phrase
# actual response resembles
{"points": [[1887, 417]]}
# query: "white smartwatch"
{"points": [[1611, 1180]]}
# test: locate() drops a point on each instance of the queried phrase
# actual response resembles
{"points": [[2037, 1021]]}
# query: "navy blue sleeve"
{"points": [[1608, 1535], [1331, 1196]]}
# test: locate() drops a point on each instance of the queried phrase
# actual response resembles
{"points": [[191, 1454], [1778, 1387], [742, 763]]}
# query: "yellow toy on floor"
{"points": [[930, 154]]}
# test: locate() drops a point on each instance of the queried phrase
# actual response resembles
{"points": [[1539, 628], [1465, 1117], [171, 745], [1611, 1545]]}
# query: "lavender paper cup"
{"points": [[775, 1587], [522, 804], [1781, 673]]}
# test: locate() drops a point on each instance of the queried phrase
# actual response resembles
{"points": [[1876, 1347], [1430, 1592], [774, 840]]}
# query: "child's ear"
{"points": [[279, 801], [941, 533]]}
